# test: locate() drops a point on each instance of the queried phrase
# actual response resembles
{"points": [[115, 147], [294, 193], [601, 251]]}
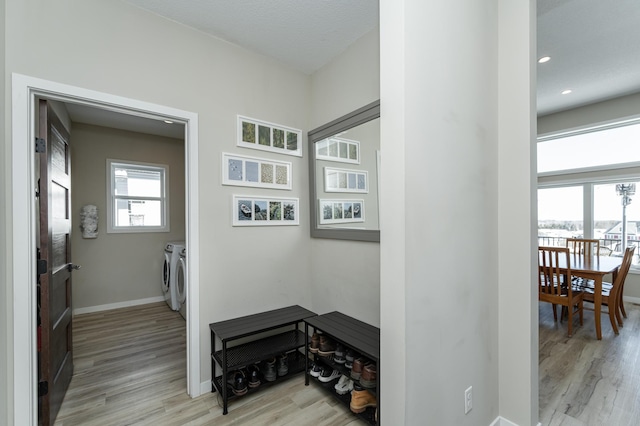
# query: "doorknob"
{"points": [[74, 267]]}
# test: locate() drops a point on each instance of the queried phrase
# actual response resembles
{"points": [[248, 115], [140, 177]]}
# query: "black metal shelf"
{"points": [[368, 415], [296, 366], [258, 350]]}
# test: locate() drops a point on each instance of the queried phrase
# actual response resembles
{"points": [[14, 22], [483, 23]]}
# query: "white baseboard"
{"points": [[205, 387], [117, 305], [631, 299], [501, 421]]}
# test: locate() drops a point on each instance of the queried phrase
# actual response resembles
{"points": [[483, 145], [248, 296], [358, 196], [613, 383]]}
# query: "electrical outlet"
{"points": [[468, 399]]}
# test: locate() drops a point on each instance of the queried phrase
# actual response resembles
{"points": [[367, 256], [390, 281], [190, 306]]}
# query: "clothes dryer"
{"points": [[181, 283], [169, 271]]}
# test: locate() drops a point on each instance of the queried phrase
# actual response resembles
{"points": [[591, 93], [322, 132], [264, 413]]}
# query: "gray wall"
{"points": [[120, 267], [599, 113], [5, 302], [119, 49], [345, 275]]}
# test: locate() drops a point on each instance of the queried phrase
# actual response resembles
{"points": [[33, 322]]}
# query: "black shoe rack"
{"points": [[290, 339], [352, 334]]}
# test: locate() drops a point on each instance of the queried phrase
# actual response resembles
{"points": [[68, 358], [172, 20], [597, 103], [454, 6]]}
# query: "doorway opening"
{"points": [[25, 92]]}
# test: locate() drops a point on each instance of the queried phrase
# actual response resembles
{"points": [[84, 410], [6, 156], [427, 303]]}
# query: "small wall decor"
{"points": [[338, 149], [250, 210], [239, 170], [341, 211], [89, 221], [257, 134], [345, 180]]}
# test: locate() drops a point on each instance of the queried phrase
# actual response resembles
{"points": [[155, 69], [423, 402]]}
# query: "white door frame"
{"points": [[24, 92]]}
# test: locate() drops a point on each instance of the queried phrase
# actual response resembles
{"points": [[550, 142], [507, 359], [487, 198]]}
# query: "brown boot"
{"points": [[361, 399], [315, 343]]}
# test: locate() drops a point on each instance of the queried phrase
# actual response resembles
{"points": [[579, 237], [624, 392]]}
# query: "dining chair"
{"points": [[621, 290], [611, 292], [585, 246], [551, 283]]}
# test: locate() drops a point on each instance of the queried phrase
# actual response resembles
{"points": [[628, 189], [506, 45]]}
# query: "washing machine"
{"points": [[181, 283], [169, 271]]}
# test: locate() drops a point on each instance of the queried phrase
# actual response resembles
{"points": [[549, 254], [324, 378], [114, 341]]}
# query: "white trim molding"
{"points": [[117, 305], [501, 421], [25, 90]]}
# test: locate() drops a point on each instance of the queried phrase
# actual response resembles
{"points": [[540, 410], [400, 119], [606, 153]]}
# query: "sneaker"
{"points": [[344, 385], [350, 356], [356, 370], [361, 399], [283, 364], [327, 346], [269, 370], [368, 377], [315, 343], [338, 356], [253, 371], [239, 383], [315, 370], [328, 374]]}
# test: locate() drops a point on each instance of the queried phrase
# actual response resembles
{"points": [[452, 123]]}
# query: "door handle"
{"points": [[73, 267]]}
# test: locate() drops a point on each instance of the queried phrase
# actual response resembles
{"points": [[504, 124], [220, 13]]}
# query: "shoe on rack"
{"points": [[349, 358], [239, 383], [315, 370], [344, 385], [269, 370], [328, 374], [361, 399], [339, 355], [327, 346], [253, 371], [368, 377], [315, 343], [283, 364], [358, 366]]}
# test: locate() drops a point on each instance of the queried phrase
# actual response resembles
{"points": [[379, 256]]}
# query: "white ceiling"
{"points": [[593, 44]]}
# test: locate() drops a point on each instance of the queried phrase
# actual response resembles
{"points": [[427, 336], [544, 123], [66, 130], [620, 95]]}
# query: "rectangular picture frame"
{"points": [[340, 211], [265, 136], [346, 180], [339, 150], [251, 210], [242, 170]]}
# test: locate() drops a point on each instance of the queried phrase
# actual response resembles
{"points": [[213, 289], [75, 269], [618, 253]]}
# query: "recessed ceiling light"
{"points": [[544, 59], [566, 92], [168, 121]]}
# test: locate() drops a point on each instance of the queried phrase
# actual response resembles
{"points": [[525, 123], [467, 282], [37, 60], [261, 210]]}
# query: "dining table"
{"points": [[593, 268]]}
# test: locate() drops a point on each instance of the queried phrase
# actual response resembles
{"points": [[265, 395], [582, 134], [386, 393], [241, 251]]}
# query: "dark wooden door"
{"points": [[54, 307]]}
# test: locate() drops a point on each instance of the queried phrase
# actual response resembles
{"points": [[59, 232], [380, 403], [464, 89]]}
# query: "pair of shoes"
{"points": [[315, 370], [283, 364], [361, 399], [349, 357], [315, 343], [269, 370], [238, 382], [344, 385], [368, 376], [328, 374], [253, 371], [358, 366], [327, 347], [339, 355]]}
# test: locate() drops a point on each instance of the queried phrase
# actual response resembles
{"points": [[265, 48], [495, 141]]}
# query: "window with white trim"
{"points": [[137, 197], [581, 196]]}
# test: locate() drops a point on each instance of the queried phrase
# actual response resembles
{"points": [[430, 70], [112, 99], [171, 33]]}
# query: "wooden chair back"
{"points": [[586, 246], [550, 278]]}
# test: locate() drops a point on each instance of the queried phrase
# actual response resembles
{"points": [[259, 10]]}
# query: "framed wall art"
{"points": [[340, 211], [249, 210], [257, 134], [240, 170], [338, 149], [345, 180]]}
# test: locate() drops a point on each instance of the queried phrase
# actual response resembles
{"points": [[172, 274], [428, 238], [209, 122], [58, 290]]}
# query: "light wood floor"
{"points": [[130, 369], [584, 381]]}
